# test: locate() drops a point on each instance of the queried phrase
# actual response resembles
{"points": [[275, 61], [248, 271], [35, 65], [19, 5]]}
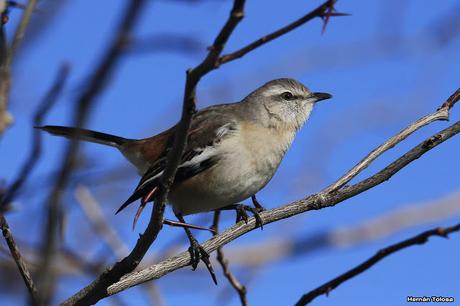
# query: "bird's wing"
{"points": [[208, 128]]}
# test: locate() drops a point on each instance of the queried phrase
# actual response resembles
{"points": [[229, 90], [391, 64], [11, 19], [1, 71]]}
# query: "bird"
{"points": [[233, 150]]}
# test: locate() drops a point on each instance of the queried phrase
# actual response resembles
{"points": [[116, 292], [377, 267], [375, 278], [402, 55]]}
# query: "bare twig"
{"points": [[314, 202], [171, 42], [101, 226], [320, 11], [34, 156], [441, 114], [35, 152], [21, 30], [239, 288], [98, 221], [83, 104], [381, 254], [6, 58], [20, 263]]}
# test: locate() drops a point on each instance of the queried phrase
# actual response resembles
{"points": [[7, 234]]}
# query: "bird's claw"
{"points": [[197, 253], [241, 214]]}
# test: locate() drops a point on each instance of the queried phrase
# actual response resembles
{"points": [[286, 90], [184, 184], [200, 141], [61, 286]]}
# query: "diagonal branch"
{"points": [[317, 201], [20, 263], [441, 114], [422, 238], [102, 228]]}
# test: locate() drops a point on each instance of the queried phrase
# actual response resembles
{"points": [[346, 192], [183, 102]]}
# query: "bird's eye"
{"points": [[287, 96]]}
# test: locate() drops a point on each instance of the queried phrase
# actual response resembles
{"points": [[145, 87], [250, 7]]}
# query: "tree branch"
{"points": [[422, 238], [20, 263], [34, 155], [102, 228], [6, 55], [21, 30], [317, 201], [83, 104], [318, 12], [441, 114], [239, 288]]}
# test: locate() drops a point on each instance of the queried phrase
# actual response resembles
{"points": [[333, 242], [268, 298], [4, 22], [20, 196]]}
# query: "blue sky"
{"points": [[386, 65]]}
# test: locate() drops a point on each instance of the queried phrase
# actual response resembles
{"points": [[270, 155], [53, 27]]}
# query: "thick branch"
{"points": [[381, 254], [320, 200]]}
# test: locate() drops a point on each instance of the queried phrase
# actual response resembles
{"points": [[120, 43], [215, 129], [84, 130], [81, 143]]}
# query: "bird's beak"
{"points": [[321, 96]]}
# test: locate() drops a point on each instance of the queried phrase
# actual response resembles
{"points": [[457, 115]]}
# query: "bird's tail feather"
{"points": [[85, 135]]}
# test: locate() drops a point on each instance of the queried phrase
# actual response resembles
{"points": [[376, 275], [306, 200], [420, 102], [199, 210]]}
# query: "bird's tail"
{"points": [[85, 135]]}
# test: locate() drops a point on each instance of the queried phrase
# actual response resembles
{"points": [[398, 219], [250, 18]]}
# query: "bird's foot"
{"points": [[257, 204], [241, 214], [197, 253]]}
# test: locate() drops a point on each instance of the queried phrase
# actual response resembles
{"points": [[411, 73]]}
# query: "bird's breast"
{"points": [[246, 162]]}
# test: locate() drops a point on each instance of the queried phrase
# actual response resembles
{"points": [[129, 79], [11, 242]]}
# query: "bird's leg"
{"points": [[256, 203], [241, 213], [197, 252]]}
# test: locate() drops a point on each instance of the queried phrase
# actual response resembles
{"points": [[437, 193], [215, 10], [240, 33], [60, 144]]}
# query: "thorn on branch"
{"points": [[442, 232], [329, 12]]}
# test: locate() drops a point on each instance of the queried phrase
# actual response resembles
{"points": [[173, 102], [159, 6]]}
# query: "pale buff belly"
{"points": [[239, 174], [228, 182]]}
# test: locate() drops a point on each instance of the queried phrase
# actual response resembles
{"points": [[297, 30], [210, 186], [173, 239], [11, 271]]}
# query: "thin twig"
{"points": [[95, 216], [102, 227], [317, 12], [441, 114], [21, 30], [6, 58], [34, 155], [239, 288], [314, 202], [20, 263], [30, 163], [84, 102], [5, 116], [422, 238]]}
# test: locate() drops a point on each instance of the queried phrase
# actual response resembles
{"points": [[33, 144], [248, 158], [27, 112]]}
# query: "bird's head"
{"points": [[285, 103]]}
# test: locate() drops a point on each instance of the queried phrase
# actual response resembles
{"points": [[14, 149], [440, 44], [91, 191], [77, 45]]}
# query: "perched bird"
{"points": [[232, 152]]}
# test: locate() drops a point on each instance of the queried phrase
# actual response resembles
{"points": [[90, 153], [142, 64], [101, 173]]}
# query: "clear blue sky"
{"points": [[386, 65]]}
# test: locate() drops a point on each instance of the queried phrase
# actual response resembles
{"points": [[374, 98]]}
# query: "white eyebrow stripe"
{"points": [[274, 91]]}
